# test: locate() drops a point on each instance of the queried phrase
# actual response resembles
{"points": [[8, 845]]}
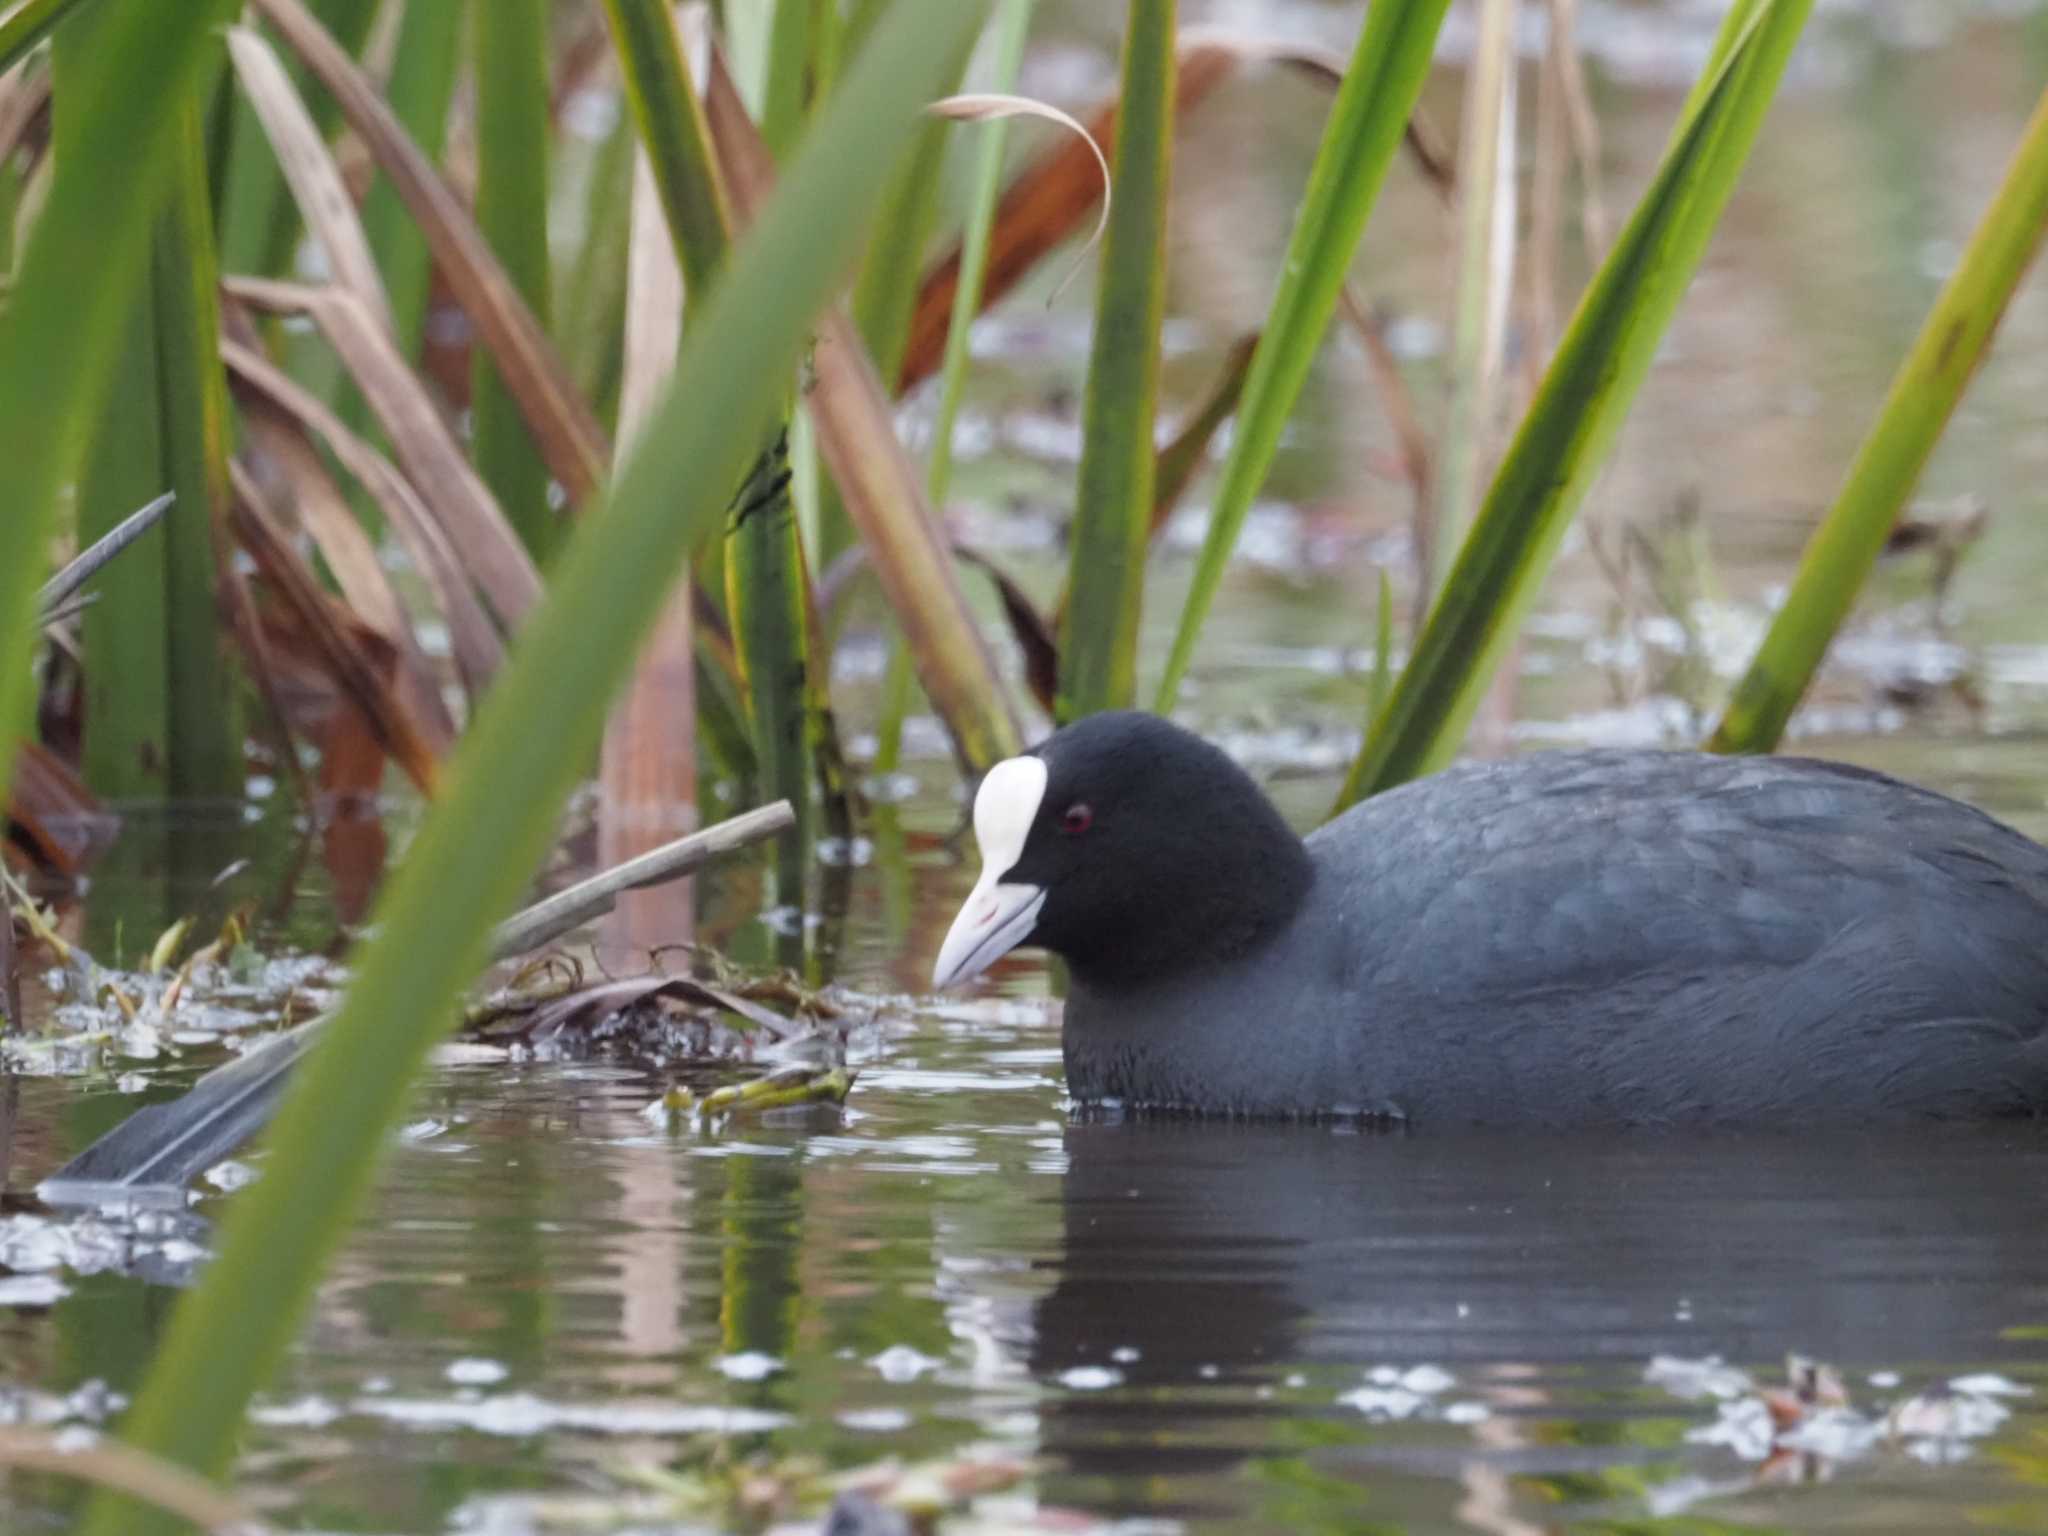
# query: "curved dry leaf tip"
{"points": [[986, 106]]}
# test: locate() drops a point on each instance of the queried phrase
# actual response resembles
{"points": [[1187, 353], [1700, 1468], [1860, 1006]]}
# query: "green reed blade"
{"points": [[80, 275], [534, 734], [1585, 394], [1923, 396], [1012, 28], [192, 409], [127, 671], [1113, 500], [512, 147], [424, 66], [1365, 129], [678, 143]]}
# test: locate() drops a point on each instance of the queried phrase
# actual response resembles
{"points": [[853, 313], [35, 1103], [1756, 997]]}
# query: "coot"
{"points": [[1569, 938]]}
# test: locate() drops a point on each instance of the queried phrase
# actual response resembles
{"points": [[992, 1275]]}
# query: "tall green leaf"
{"points": [[673, 130], [192, 408], [764, 585], [1584, 396], [80, 273], [127, 671], [512, 210], [857, 439], [591, 292], [765, 580], [1923, 396], [1366, 126], [534, 733], [1113, 502]]}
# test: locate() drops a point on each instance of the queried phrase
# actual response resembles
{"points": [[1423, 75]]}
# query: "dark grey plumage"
{"points": [[1586, 937]]}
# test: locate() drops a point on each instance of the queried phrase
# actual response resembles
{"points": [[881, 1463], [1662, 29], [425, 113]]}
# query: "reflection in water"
{"points": [[1196, 1253]]}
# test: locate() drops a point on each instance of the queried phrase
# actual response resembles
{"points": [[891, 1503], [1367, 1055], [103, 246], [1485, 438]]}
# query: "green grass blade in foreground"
{"points": [[78, 279], [1113, 500], [535, 732], [1923, 396], [1584, 396], [512, 211], [1365, 129]]}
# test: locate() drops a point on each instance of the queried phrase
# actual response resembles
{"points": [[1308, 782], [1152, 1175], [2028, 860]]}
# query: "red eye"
{"points": [[1077, 818]]}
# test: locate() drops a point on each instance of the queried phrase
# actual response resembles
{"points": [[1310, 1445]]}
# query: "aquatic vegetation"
{"points": [[1923, 396], [446, 555], [482, 842], [1586, 392]]}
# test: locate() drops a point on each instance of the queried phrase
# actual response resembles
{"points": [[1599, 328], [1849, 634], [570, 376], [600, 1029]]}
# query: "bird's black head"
{"points": [[1129, 847]]}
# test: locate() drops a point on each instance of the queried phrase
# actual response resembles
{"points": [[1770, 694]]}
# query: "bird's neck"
{"points": [[1241, 892]]}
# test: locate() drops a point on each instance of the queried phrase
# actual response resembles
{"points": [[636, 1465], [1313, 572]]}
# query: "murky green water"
{"points": [[1198, 1327]]}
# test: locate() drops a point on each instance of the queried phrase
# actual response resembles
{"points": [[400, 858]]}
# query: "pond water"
{"points": [[562, 1314]]}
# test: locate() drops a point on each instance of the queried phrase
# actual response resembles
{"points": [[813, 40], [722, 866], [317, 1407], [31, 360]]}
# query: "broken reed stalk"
{"points": [[89, 563], [550, 919], [166, 1145]]}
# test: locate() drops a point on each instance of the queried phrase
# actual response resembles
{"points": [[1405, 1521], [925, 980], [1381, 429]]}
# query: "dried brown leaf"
{"points": [[1395, 398], [24, 109], [327, 626], [52, 813], [327, 516], [309, 170], [422, 438], [984, 106], [239, 606], [1183, 455], [1033, 634], [479, 652], [563, 425], [107, 1463], [539, 1018]]}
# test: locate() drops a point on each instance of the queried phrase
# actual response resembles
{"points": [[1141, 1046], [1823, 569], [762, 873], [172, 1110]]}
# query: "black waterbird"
{"points": [[1569, 938]]}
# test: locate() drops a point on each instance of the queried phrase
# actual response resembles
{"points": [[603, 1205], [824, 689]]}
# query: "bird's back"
{"points": [[1657, 936], [1588, 937]]}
